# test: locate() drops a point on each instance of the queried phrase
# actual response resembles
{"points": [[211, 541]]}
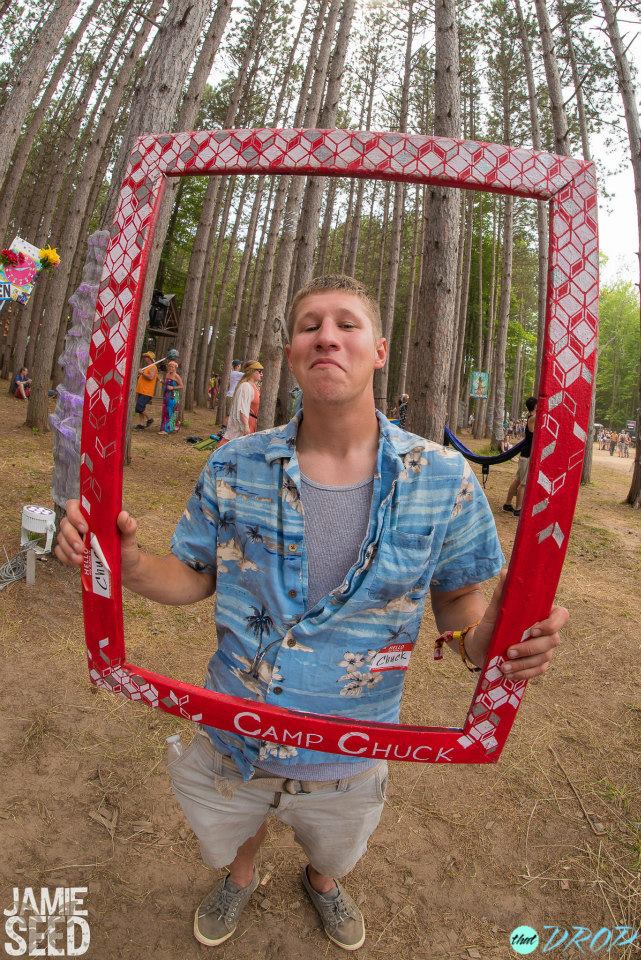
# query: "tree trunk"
{"points": [[628, 95], [462, 316], [23, 148], [541, 208], [557, 106], [432, 341], [411, 296], [29, 79], [504, 317], [310, 214]]}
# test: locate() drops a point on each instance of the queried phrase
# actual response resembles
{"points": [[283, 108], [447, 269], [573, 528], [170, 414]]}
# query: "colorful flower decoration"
{"points": [[9, 258], [49, 258]]}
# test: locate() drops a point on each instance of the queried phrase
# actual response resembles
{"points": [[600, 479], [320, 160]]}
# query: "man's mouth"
{"points": [[325, 362]]}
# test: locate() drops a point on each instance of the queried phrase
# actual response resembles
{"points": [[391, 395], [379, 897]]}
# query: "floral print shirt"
{"points": [[429, 523]]}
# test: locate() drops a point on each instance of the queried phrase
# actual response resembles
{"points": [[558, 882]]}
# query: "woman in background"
{"points": [[170, 420]]}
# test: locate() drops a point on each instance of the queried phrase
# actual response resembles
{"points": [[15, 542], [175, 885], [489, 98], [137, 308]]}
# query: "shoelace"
{"points": [[341, 910], [225, 901]]}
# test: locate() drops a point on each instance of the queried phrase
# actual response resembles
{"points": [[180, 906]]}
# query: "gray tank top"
{"points": [[336, 520]]}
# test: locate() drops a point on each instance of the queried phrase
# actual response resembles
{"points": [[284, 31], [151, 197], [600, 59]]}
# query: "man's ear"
{"points": [[381, 353], [288, 351]]}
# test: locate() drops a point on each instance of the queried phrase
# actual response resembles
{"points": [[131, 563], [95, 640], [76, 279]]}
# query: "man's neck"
{"points": [[338, 445]]}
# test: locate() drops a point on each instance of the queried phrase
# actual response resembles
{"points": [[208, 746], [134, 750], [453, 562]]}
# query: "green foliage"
{"points": [[617, 395]]}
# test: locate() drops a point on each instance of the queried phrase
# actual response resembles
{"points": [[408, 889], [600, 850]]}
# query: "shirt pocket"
{"points": [[403, 564]]}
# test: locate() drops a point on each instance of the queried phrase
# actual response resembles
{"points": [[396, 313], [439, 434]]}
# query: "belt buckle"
{"points": [[293, 787]]}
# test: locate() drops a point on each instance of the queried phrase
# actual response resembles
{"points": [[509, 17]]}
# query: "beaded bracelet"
{"points": [[459, 636]]}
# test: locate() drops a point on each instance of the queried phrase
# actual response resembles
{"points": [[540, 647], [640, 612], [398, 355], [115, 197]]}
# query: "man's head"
{"points": [[340, 282], [530, 404], [235, 364], [23, 371], [335, 339], [149, 356]]}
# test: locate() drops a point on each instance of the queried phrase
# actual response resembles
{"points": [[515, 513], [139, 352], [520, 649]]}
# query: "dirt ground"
{"points": [[551, 835]]}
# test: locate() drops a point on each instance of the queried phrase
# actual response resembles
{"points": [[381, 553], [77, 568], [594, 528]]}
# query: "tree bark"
{"points": [[23, 148], [29, 79], [553, 78], [432, 341], [541, 208], [629, 98], [504, 317]]}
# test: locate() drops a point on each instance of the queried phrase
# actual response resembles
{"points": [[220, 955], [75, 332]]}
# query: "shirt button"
{"points": [[292, 593], [292, 548], [291, 642], [277, 690]]}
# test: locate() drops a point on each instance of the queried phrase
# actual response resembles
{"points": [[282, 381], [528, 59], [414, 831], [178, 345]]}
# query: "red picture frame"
{"points": [[569, 185]]}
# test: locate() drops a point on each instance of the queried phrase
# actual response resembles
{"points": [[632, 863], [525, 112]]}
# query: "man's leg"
{"points": [[512, 492], [333, 827], [241, 871]]}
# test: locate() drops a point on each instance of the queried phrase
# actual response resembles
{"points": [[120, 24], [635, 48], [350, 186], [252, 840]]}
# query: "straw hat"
{"points": [[253, 365], [150, 354]]}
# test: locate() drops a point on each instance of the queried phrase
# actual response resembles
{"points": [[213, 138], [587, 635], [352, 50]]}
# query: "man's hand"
{"points": [[163, 579], [69, 544], [528, 659]]}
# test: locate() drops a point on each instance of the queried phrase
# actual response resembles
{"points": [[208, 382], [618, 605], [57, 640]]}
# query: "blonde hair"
{"points": [[337, 281]]}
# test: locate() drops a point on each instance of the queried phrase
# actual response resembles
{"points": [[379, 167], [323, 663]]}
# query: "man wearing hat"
{"points": [[145, 388], [243, 415]]}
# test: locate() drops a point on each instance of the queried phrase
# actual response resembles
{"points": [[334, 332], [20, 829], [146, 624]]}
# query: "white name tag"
{"points": [[395, 656]]}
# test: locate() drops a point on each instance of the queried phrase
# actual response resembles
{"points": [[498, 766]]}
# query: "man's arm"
{"points": [[456, 609], [163, 579]]}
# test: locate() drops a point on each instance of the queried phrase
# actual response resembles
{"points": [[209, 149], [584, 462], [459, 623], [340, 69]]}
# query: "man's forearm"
{"points": [[456, 614], [168, 580]]}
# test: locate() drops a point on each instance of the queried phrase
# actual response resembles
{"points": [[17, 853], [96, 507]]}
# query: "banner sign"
{"points": [[479, 385], [17, 278]]}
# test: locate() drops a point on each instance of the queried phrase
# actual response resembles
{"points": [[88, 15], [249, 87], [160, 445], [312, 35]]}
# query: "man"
{"points": [[21, 386], [517, 487], [146, 388], [235, 377], [322, 538]]}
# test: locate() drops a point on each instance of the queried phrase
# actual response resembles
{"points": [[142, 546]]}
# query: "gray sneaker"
{"points": [[218, 915], [342, 920]]}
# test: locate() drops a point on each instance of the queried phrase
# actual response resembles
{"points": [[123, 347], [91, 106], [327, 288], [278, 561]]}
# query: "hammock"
{"points": [[485, 462]]}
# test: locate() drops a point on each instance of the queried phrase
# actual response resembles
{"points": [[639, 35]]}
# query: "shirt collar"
{"points": [[282, 443]]}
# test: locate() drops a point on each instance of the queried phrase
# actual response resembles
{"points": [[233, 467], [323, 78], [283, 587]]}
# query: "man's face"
{"points": [[334, 351]]}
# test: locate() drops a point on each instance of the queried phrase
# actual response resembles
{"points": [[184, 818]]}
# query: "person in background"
{"points": [[614, 439], [243, 415], [235, 377], [212, 392], [402, 409], [170, 421], [21, 386], [517, 487], [146, 388]]}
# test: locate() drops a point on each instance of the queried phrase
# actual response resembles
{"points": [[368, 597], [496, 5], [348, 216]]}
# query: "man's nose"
{"points": [[326, 335]]}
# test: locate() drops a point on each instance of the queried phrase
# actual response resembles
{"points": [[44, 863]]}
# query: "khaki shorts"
{"points": [[521, 469], [332, 825]]}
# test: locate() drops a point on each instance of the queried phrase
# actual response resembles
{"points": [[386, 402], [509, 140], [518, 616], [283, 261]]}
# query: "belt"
{"points": [[267, 781]]}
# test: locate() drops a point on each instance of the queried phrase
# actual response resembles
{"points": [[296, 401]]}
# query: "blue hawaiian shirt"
{"points": [[429, 523]]}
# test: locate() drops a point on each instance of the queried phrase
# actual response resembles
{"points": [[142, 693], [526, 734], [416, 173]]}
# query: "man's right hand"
{"points": [[70, 544]]}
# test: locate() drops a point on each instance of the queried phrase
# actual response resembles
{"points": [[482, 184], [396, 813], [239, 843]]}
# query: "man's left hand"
{"points": [[532, 657]]}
